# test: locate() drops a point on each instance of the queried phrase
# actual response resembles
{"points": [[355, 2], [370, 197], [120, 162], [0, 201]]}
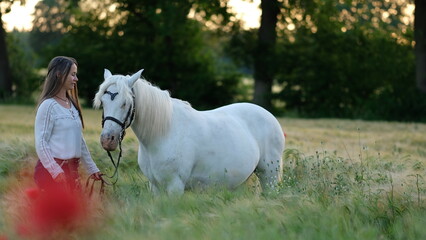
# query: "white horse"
{"points": [[182, 148]]}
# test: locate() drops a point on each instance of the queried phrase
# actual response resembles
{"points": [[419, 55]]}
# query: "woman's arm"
{"points": [[43, 130]]}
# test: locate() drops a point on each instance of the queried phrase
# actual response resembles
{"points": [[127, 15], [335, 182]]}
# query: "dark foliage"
{"points": [[156, 36], [329, 67]]}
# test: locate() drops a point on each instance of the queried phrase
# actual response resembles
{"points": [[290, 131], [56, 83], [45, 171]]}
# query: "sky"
{"points": [[21, 17]]}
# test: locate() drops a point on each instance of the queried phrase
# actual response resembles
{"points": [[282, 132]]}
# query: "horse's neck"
{"points": [[153, 112]]}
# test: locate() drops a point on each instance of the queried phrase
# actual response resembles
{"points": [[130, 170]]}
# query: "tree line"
{"points": [[315, 58]]}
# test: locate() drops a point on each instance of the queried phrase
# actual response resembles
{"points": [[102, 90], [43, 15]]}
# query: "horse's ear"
{"points": [[134, 77], [107, 74]]}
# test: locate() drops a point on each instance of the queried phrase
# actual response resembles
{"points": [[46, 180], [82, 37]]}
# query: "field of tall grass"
{"points": [[343, 179]]}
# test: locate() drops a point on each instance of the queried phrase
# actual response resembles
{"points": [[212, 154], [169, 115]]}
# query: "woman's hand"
{"points": [[96, 176]]}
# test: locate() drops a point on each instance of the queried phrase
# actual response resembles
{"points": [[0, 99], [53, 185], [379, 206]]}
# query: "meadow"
{"points": [[343, 179]]}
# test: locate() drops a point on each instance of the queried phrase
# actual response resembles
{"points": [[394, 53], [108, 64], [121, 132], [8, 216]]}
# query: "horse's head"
{"points": [[117, 98]]}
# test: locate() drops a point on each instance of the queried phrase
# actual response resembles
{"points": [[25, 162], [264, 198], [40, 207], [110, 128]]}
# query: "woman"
{"points": [[58, 128]]}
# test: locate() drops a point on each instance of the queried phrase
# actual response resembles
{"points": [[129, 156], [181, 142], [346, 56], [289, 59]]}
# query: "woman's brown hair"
{"points": [[57, 72]]}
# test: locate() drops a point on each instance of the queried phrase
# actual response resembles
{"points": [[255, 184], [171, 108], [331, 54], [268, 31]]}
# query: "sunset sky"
{"points": [[21, 16]]}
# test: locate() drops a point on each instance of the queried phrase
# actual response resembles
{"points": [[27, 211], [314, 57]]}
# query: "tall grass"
{"points": [[342, 180]]}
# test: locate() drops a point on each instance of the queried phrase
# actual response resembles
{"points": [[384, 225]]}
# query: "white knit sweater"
{"points": [[58, 134]]}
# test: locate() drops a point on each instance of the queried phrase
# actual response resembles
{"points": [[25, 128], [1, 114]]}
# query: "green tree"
{"points": [[23, 75], [127, 35], [5, 74], [264, 54], [420, 38], [341, 59], [347, 60], [51, 21]]}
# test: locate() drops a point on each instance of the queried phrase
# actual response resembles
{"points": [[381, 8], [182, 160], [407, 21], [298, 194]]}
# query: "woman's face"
{"points": [[71, 79]]}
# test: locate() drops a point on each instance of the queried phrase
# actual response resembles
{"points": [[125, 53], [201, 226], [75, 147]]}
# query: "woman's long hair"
{"points": [[57, 72]]}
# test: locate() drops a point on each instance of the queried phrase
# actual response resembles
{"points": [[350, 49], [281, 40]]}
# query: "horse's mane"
{"points": [[153, 106]]}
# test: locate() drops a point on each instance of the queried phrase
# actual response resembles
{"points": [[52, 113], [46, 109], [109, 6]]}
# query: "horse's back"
{"points": [[260, 122]]}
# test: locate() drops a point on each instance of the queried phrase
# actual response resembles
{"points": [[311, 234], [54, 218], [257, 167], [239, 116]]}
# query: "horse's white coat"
{"points": [[182, 148]]}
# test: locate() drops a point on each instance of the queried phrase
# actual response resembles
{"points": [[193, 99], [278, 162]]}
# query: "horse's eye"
{"points": [[123, 105]]}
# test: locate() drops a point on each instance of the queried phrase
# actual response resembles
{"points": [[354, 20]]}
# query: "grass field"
{"points": [[343, 179]]}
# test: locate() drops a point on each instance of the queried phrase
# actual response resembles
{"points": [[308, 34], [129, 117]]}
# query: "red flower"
{"points": [[32, 193]]}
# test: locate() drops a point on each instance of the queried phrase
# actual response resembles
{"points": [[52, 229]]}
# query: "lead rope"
{"points": [[92, 185], [116, 165], [114, 175]]}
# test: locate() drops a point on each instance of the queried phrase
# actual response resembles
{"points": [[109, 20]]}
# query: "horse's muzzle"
{"points": [[109, 141]]}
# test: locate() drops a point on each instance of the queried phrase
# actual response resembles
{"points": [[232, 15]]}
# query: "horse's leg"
{"points": [[270, 168], [154, 189], [175, 186], [269, 173]]}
